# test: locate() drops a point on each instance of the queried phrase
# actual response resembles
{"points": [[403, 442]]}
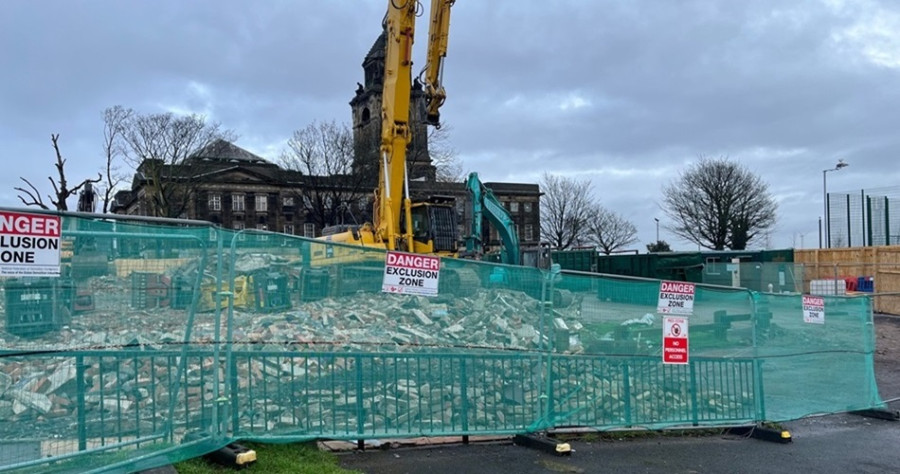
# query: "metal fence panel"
{"points": [[163, 340]]}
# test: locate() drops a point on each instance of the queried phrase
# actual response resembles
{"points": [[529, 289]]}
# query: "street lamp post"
{"points": [[657, 230], [827, 230]]}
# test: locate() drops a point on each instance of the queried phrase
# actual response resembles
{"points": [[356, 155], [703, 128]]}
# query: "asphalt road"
{"points": [[841, 443]]}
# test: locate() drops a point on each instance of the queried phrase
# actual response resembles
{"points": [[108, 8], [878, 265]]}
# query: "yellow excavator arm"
{"points": [[390, 199], [434, 66]]}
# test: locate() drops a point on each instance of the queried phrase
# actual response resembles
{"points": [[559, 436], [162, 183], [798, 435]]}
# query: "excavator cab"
{"points": [[434, 225]]}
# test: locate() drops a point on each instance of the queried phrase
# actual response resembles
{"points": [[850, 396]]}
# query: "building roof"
{"points": [[377, 51], [225, 151]]}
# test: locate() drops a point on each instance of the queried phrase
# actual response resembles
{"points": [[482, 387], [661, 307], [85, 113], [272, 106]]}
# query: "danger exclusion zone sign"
{"points": [[411, 274], [813, 309], [29, 244], [675, 297]]}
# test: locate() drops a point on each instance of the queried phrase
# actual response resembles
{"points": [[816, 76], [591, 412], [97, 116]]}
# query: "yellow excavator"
{"points": [[399, 224], [427, 227]]}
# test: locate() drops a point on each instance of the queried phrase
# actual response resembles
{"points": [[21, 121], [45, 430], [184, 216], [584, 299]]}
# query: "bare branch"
{"points": [[61, 190], [114, 120], [565, 211], [32, 194], [610, 231], [448, 168], [159, 147], [332, 191]]}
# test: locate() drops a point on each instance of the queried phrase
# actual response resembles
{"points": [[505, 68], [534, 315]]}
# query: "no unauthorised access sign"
{"points": [[675, 340], [29, 244], [675, 297], [411, 274]]}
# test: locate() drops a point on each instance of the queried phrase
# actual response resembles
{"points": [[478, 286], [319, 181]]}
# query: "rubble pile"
{"points": [[489, 319], [402, 363]]}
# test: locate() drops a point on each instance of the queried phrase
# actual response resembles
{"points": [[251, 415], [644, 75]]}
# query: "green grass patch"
{"points": [[296, 458]]}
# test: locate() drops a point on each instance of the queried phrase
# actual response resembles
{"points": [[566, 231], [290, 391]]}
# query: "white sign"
{"points": [[813, 309], [411, 274], [29, 244], [675, 340], [675, 297]]}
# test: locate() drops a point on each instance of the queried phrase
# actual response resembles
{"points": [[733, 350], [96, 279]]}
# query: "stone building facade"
{"points": [[365, 109], [235, 189]]}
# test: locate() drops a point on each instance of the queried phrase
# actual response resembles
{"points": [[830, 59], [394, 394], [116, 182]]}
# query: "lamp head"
{"points": [[841, 164]]}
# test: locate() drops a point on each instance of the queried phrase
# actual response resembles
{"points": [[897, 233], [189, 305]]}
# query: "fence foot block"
{"points": [[763, 432], [234, 455], [881, 414], [543, 443]]}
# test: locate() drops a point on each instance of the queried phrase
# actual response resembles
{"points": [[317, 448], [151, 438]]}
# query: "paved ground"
{"points": [[837, 444], [841, 443]]}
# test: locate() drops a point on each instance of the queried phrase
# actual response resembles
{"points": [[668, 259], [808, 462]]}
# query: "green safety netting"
{"points": [[161, 341]]}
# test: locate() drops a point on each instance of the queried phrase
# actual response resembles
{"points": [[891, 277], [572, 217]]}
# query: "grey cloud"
{"points": [[784, 87]]}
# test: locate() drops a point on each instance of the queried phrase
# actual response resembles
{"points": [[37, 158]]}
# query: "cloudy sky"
{"points": [[623, 93]]}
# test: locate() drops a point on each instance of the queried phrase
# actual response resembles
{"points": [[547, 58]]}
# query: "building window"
{"points": [[215, 202], [262, 227], [262, 203], [289, 229], [309, 230], [514, 206], [529, 231], [287, 201], [526, 207], [237, 203], [213, 234], [713, 266], [238, 227]]}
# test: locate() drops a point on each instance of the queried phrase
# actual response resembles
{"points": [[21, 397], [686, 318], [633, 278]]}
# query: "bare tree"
{"points": [[61, 189], [330, 191], [448, 168], [159, 147], [717, 203], [114, 120], [565, 211], [610, 231]]}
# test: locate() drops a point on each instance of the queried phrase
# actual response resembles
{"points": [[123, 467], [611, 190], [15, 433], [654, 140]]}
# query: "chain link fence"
{"points": [[868, 218]]}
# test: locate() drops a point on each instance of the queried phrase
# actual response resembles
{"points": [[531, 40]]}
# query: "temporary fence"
{"points": [[164, 340]]}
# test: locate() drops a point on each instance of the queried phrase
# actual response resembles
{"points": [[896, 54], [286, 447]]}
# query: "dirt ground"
{"points": [[887, 356]]}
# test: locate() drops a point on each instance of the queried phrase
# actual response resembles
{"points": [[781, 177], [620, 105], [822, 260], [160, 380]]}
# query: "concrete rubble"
{"points": [[383, 363]]}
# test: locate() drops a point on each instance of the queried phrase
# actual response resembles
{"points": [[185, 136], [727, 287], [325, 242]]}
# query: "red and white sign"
{"points": [[813, 309], [29, 244], [675, 297], [411, 274], [675, 340]]}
